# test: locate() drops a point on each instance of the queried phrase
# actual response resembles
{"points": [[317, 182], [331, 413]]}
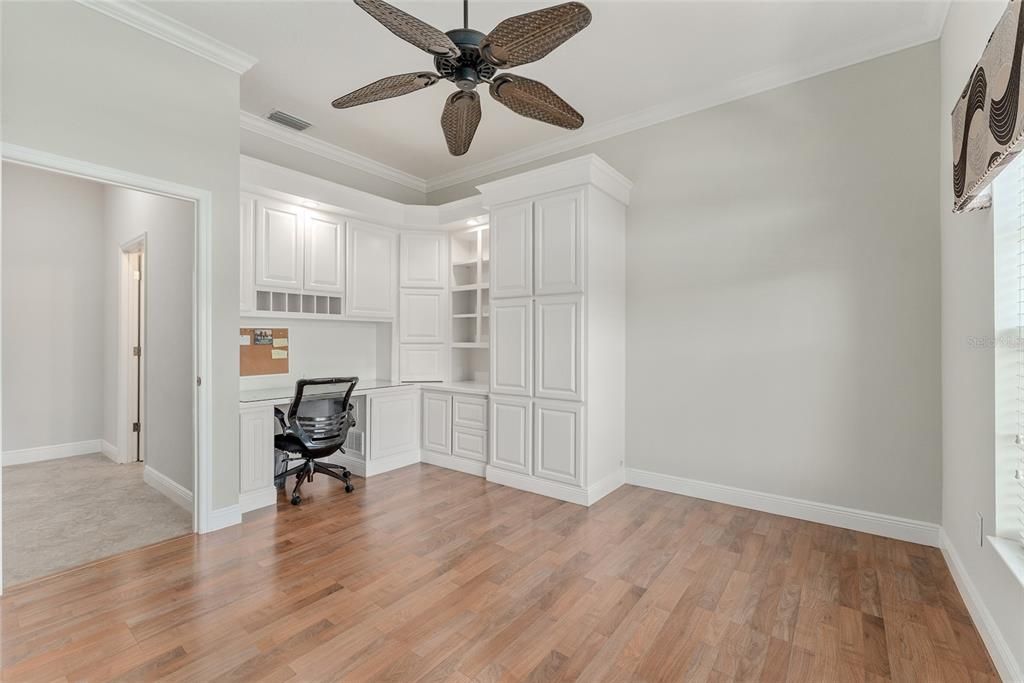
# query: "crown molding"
{"points": [[146, 19], [261, 126], [723, 92], [588, 169], [726, 91]]}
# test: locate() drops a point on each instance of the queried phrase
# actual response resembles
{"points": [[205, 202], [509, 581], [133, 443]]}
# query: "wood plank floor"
{"points": [[425, 574]]}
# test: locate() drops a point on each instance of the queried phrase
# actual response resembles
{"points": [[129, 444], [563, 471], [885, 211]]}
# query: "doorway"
{"points": [[133, 322], [191, 337]]}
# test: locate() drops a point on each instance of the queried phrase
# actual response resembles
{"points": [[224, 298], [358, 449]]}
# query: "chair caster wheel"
{"points": [[346, 475], [349, 488], [296, 500]]}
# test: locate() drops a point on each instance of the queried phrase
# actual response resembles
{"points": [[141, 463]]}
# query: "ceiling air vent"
{"points": [[286, 119]]}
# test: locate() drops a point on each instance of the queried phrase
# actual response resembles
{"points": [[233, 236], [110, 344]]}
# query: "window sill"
{"points": [[1012, 554]]}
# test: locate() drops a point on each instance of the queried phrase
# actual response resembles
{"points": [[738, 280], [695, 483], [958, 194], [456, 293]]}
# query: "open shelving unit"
{"points": [[470, 304]]}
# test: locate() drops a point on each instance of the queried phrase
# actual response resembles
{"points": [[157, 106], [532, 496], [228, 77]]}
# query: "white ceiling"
{"points": [[638, 63]]}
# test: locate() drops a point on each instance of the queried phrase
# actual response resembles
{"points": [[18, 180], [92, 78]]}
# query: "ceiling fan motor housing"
{"points": [[468, 69]]}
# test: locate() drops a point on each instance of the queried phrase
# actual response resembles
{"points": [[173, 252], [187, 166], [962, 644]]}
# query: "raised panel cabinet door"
{"points": [[559, 347], [394, 424], [511, 235], [424, 261], [558, 244], [421, 316], [324, 269], [512, 346], [422, 362], [510, 434], [279, 238], [557, 431], [469, 411], [372, 280], [246, 254], [256, 449], [470, 444], [437, 422]]}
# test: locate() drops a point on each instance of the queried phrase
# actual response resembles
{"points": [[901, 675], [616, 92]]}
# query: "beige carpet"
{"points": [[63, 513]]}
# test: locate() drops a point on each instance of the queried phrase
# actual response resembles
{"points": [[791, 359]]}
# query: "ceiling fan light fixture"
{"points": [[467, 57]]}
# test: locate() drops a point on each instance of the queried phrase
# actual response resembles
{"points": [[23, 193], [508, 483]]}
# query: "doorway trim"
{"points": [[139, 245], [203, 518]]}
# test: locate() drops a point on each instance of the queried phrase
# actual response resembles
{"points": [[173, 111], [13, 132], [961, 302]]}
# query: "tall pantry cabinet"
{"points": [[558, 317]]}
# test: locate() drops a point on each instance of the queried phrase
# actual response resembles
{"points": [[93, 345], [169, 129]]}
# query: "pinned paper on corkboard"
{"points": [[263, 351]]}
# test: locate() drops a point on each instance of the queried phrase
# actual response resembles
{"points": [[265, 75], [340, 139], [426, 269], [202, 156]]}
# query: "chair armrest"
{"points": [[279, 414]]}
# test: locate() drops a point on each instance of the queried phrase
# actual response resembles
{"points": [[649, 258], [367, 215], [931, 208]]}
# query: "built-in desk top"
{"points": [[284, 393]]}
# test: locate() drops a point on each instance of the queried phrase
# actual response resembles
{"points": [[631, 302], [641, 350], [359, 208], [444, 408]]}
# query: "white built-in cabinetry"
{"points": [[423, 306], [557, 346], [454, 430], [301, 262]]}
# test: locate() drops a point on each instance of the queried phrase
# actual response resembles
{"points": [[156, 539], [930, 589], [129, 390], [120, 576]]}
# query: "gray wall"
{"points": [[169, 225], [82, 85], [968, 370], [52, 309], [783, 289]]}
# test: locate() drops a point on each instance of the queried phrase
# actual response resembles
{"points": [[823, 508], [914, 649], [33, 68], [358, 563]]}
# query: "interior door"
{"points": [[279, 238], [324, 267], [558, 244], [559, 347], [511, 235], [512, 346]]}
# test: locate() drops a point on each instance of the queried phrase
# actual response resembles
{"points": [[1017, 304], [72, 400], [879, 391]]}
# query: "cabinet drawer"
{"points": [[469, 443], [470, 411]]}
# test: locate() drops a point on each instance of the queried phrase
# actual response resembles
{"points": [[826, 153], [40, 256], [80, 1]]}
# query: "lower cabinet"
{"points": [[469, 443], [394, 424], [511, 433], [437, 422], [256, 458], [557, 431]]}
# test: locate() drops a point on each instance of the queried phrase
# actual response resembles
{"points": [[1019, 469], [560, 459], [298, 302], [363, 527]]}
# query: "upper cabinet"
{"points": [[324, 253], [246, 226], [512, 251], [372, 281], [424, 262], [279, 239], [558, 244]]}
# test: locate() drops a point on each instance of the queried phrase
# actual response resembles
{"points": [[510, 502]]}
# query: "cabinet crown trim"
{"points": [[586, 170]]}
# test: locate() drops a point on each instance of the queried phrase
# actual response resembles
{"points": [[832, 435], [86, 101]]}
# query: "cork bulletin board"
{"points": [[263, 351]]}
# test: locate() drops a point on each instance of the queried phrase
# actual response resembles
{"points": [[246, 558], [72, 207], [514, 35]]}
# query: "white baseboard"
{"points": [[168, 487], [223, 518], [110, 450], [356, 466], [551, 489], [24, 456], [453, 463], [924, 533], [254, 500], [603, 487], [1002, 656]]}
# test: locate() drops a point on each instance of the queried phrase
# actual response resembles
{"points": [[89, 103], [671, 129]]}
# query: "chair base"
{"points": [[304, 472]]}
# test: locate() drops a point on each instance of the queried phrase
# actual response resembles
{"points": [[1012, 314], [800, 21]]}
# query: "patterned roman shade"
{"points": [[987, 120]]}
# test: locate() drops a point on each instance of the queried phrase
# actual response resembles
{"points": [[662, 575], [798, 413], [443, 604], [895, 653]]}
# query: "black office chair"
{"points": [[320, 431]]}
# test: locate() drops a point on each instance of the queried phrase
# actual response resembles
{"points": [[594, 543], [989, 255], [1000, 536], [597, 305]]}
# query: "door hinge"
{"points": [[137, 351], [136, 427], [199, 381]]}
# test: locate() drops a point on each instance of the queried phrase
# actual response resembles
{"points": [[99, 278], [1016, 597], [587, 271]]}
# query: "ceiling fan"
{"points": [[467, 57]]}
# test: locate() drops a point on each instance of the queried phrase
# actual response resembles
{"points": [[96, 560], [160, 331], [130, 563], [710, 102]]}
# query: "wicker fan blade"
{"points": [[534, 100], [528, 37], [385, 88], [410, 29], [459, 120]]}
